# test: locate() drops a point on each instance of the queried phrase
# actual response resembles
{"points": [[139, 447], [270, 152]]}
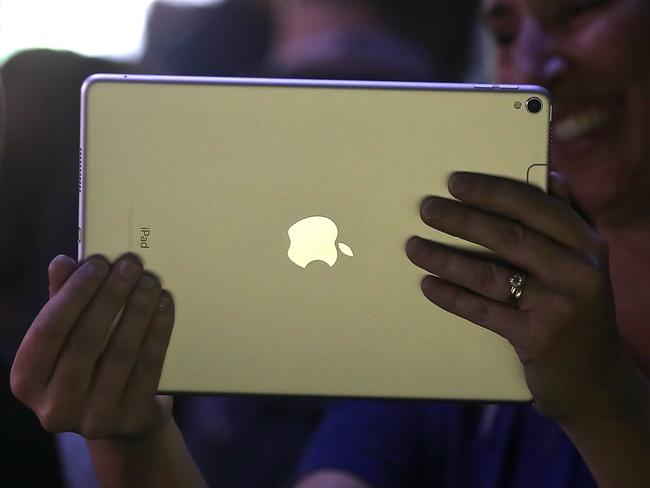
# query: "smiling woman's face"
{"points": [[594, 57]]}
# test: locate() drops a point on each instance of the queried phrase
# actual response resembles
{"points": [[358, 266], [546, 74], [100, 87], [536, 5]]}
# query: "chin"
{"points": [[605, 192]]}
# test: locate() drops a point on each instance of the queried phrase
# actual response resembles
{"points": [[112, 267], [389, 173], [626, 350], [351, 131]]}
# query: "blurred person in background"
{"points": [[229, 38], [410, 40]]}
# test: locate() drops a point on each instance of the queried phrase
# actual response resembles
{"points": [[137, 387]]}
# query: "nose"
{"points": [[538, 58]]}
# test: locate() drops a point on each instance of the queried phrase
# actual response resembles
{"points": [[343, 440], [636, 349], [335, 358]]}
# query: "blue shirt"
{"points": [[416, 444]]}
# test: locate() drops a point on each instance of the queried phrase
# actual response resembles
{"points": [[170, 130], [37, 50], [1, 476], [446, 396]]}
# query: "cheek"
{"points": [[617, 45], [630, 67]]}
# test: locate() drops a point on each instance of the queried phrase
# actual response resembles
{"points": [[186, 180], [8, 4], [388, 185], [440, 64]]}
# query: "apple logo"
{"points": [[314, 239]]}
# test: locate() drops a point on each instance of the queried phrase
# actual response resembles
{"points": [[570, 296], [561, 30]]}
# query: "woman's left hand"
{"points": [[563, 327]]}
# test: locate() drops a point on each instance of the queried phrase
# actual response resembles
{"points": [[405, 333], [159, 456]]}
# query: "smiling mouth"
{"points": [[571, 128]]}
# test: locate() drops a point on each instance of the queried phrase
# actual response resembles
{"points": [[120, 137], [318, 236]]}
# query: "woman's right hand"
{"points": [[74, 375]]}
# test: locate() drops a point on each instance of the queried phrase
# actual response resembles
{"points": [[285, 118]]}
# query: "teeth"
{"points": [[573, 128]]}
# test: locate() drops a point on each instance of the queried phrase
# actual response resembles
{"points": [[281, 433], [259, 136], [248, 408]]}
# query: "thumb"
{"points": [[59, 271]]}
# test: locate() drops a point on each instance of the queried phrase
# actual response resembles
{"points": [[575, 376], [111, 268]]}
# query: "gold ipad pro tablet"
{"points": [[277, 213]]}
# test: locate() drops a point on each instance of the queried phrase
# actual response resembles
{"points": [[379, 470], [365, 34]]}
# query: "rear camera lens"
{"points": [[534, 105]]}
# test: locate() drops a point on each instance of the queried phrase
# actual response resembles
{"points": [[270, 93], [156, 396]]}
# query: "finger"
{"points": [[502, 319], [511, 241], [526, 204], [39, 351], [143, 383], [487, 278], [59, 270], [116, 361], [85, 342]]}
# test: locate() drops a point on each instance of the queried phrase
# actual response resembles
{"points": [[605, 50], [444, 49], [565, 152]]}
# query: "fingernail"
{"points": [[60, 260], [128, 269], [165, 302], [427, 281], [146, 282], [97, 268], [412, 243], [457, 183], [432, 209]]}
